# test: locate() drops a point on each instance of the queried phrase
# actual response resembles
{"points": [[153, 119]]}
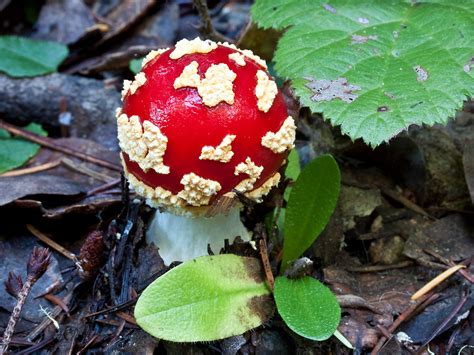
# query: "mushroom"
{"points": [[200, 122]]}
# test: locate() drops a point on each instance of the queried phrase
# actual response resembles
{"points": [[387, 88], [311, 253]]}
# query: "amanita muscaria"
{"points": [[201, 120]]}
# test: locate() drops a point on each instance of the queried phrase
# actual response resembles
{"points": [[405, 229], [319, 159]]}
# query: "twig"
{"points": [[38, 346], [126, 317], [469, 277], [266, 263], [51, 144], [19, 342], [112, 309], [384, 331], [207, 27], [57, 302], [51, 243], [406, 202], [44, 324], [86, 171], [378, 268], [116, 336], [402, 317], [115, 323], [36, 267], [88, 344], [451, 315], [103, 188], [32, 170], [47, 320], [436, 281]]}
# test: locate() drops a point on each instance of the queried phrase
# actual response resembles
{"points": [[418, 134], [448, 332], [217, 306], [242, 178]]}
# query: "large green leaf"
{"points": [[209, 298], [20, 57], [14, 152], [307, 306], [375, 67], [311, 203]]}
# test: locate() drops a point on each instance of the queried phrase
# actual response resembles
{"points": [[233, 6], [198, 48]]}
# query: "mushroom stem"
{"points": [[181, 238]]}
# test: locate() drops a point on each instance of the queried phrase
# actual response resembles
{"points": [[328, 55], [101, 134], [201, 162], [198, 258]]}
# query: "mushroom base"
{"points": [[182, 238]]}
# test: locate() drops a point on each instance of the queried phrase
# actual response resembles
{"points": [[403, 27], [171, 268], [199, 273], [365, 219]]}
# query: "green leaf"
{"points": [[25, 57], [307, 306], [14, 152], [311, 203], [292, 171], [209, 298], [271, 70], [135, 65], [375, 67], [293, 168]]}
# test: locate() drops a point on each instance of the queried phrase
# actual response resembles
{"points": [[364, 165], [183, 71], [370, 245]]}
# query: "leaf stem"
{"points": [[51, 144], [343, 339]]}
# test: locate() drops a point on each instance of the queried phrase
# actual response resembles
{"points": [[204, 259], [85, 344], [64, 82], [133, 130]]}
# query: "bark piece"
{"points": [[90, 102]]}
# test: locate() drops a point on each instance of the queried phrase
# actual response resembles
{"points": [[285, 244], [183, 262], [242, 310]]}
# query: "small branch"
{"points": [[207, 28], [266, 263], [451, 315], [469, 277], [51, 243], [103, 188], [51, 144], [32, 170], [436, 281], [36, 267], [47, 320], [112, 309], [406, 202], [401, 318], [82, 169], [379, 268]]}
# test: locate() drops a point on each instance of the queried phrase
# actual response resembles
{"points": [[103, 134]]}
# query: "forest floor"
{"points": [[405, 213]]}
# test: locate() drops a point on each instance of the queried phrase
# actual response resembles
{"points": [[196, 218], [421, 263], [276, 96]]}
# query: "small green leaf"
{"points": [[375, 67], [308, 307], [25, 57], [293, 168], [271, 70], [209, 298], [14, 152], [135, 65], [292, 171], [310, 205]]}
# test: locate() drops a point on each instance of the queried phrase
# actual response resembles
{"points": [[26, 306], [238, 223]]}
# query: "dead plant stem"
{"points": [[15, 316], [51, 144]]}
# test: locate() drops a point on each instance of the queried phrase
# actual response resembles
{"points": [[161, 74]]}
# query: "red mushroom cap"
{"points": [[200, 120]]}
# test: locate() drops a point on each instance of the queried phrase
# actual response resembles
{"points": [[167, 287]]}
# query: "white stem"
{"points": [[181, 238]]}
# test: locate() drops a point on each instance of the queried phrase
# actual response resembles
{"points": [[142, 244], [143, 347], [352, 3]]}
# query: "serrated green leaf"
{"points": [[14, 152], [209, 298], [21, 57], [375, 67], [135, 65], [307, 306], [311, 203]]}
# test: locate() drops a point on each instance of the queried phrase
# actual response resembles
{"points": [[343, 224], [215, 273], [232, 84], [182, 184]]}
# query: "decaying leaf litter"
{"points": [[403, 216]]}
